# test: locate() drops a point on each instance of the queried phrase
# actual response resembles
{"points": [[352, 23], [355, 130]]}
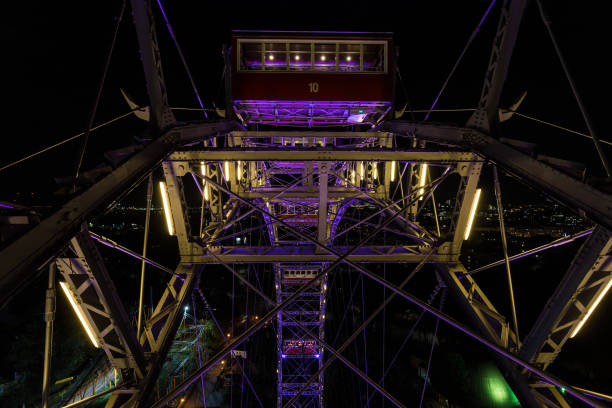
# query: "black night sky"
{"points": [[53, 59]]}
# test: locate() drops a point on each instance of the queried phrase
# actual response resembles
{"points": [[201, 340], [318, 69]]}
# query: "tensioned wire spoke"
{"points": [[218, 326], [308, 331], [271, 314], [446, 318]]}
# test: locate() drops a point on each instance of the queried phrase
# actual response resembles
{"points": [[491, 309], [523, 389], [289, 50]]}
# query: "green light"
{"points": [[360, 111], [498, 391], [562, 390]]}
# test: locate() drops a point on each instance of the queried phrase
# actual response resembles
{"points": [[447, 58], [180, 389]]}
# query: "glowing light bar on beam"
{"points": [[361, 170], [592, 309], [353, 177], [375, 170], [468, 228], [79, 314], [166, 203], [226, 170], [393, 171], [239, 173], [423, 177], [204, 186]]}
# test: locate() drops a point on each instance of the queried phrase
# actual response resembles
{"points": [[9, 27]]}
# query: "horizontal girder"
{"points": [[308, 253], [325, 154]]}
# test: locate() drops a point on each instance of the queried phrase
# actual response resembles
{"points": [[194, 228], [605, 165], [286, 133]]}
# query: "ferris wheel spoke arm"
{"points": [[151, 61], [501, 52]]}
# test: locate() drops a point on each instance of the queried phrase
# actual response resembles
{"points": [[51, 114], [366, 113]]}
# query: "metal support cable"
{"points": [[346, 309], [336, 353], [214, 319], [112, 244], [49, 317], [472, 36], [366, 322], [144, 252], [555, 126], [433, 344], [180, 52], [272, 313], [71, 138], [502, 231], [553, 244], [568, 75], [195, 322], [365, 347], [432, 297], [395, 289], [343, 258], [92, 116]]}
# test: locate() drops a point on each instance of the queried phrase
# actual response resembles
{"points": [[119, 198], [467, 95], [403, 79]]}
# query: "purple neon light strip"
{"points": [[197, 183], [6, 206]]}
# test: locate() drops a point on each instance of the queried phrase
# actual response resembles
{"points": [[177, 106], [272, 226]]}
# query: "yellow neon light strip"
{"points": [[204, 188], [77, 310], [468, 228], [361, 171], [166, 202], [393, 171], [423, 177], [239, 174], [375, 171], [592, 309], [226, 170]]}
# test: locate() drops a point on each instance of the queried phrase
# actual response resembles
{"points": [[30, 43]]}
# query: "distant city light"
{"points": [[317, 355], [229, 335], [77, 310], [468, 227], [283, 356], [297, 57], [322, 57], [186, 308], [166, 203], [348, 58], [271, 57], [592, 308]]}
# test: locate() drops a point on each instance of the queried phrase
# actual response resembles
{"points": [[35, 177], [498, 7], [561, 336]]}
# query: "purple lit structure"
{"points": [[311, 78]]}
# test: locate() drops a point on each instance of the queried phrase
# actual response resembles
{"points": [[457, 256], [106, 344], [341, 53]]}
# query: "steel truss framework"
{"points": [[301, 185]]}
